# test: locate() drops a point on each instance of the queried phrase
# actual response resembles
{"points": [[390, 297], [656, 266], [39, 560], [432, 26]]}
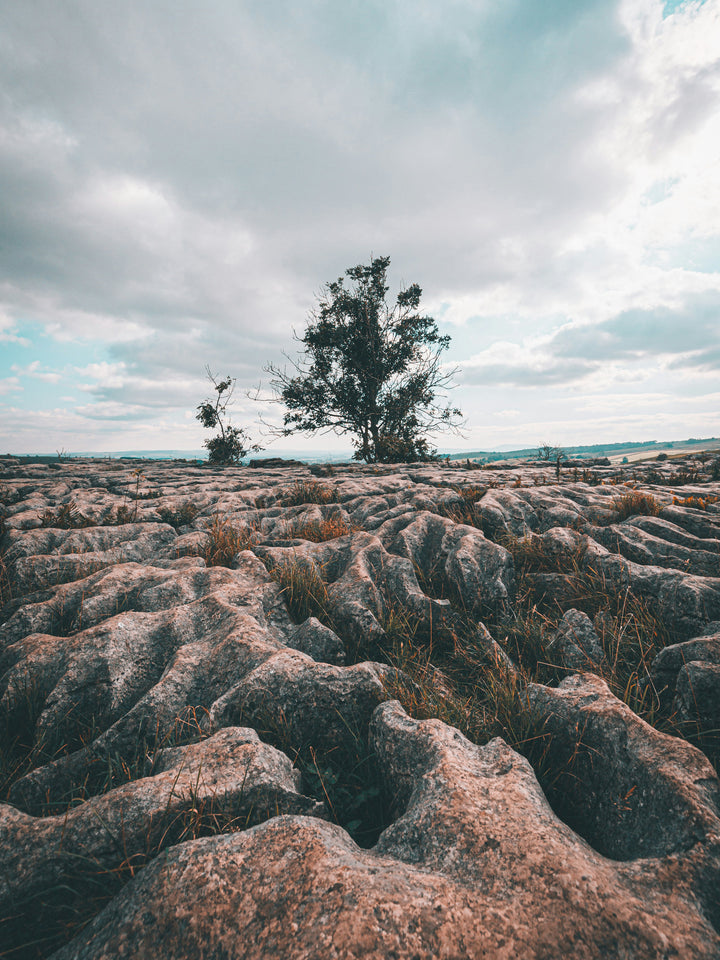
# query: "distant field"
{"points": [[678, 450], [615, 452]]}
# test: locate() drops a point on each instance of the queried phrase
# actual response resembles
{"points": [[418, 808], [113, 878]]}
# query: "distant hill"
{"points": [[594, 449]]}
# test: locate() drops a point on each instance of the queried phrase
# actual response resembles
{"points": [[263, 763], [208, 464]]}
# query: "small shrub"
{"points": [[636, 503], [232, 443]]}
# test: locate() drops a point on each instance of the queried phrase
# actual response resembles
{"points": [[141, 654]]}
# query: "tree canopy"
{"points": [[369, 369]]}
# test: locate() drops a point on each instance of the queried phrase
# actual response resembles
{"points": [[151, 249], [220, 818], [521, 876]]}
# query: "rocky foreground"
{"points": [[411, 712]]}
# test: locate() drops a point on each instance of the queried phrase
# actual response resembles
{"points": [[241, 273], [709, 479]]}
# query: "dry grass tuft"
{"points": [[308, 491], [226, 541], [66, 517], [636, 503], [697, 503], [304, 590], [466, 511], [181, 516], [318, 531]]}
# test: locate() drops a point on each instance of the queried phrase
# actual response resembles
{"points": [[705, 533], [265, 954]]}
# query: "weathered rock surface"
{"points": [[149, 696], [231, 778], [637, 792], [576, 642], [476, 864]]}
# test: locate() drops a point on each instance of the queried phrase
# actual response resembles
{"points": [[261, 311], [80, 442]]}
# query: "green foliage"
{"points": [[369, 370], [232, 443]]}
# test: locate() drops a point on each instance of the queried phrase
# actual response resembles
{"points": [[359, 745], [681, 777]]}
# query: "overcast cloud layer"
{"points": [[178, 181]]}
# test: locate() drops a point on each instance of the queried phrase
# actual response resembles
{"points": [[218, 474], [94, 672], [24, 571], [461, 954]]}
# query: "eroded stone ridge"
{"points": [[192, 660]]}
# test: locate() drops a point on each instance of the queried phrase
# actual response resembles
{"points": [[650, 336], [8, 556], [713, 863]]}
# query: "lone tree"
{"points": [[369, 370], [232, 443]]}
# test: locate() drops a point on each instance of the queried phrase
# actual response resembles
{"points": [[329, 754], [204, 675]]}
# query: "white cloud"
{"points": [[34, 370], [10, 385]]}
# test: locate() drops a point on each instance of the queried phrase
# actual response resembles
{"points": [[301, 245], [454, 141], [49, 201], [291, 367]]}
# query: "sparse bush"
{"points": [[232, 443]]}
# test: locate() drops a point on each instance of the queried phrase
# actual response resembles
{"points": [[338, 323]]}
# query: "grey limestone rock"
{"points": [[697, 693], [576, 642], [671, 659], [318, 641], [116, 639], [469, 868], [632, 790], [231, 778]]}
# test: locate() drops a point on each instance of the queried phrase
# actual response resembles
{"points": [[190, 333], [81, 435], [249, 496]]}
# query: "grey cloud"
{"points": [[116, 415], [646, 333], [287, 114], [691, 332], [523, 375], [703, 359]]}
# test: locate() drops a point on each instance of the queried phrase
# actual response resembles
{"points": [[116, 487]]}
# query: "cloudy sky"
{"points": [[178, 180]]}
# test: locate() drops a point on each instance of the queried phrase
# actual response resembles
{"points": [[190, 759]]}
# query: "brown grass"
{"points": [[318, 531], [308, 491], [304, 590], [697, 503], [66, 517], [226, 541], [636, 503], [466, 511]]}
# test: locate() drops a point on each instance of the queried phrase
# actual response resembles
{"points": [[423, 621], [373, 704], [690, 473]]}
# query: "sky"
{"points": [[179, 180]]}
